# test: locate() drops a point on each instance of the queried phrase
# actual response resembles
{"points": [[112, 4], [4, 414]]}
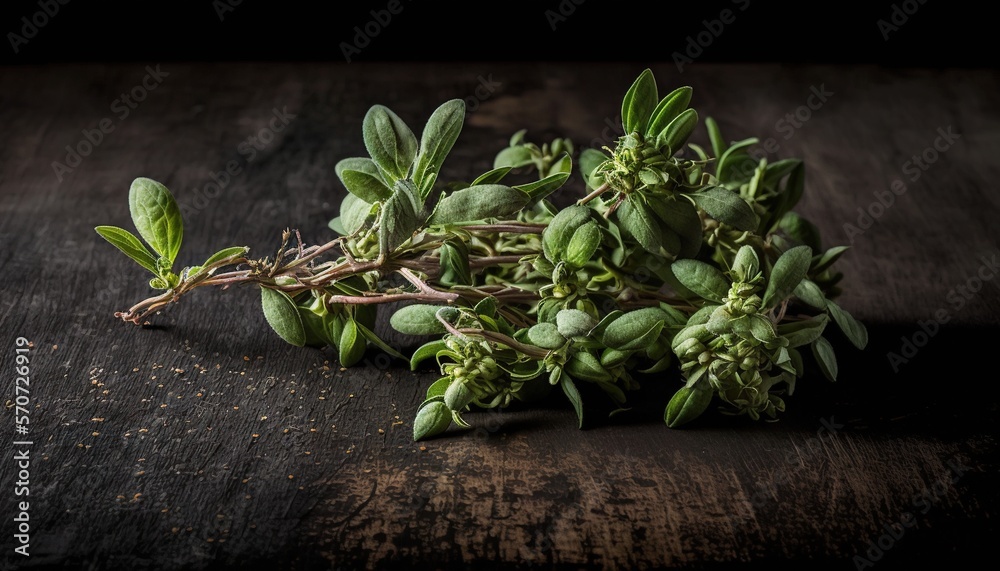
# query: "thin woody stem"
{"points": [[597, 192]]}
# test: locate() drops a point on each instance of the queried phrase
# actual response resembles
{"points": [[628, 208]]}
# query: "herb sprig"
{"points": [[680, 264]]}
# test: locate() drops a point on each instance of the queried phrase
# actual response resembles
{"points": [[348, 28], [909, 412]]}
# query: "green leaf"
{"points": [[353, 213], [701, 278], [800, 230], [283, 316], [426, 351], [677, 132], [512, 157], [400, 217], [732, 160], [458, 395], [682, 218], [586, 367], [361, 177], [130, 246], [432, 420], [639, 102], [589, 160], [226, 254], [436, 141], [790, 269], [437, 389], [352, 345], [559, 233], [573, 394], [746, 264], [825, 357], [478, 203], [719, 145], [391, 144], [541, 188], [546, 336], [491, 177], [638, 223], [855, 331], [453, 259], [823, 262], [727, 207], [157, 217], [583, 245], [373, 338], [762, 329], [634, 329], [667, 110], [574, 323], [687, 404], [799, 333], [417, 319], [811, 294]]}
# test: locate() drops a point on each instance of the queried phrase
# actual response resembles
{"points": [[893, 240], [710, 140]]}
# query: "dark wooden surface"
{"points": [[205, 442]]}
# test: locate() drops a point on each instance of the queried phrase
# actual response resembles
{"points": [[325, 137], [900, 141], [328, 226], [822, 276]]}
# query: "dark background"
{"points": [[937, 34]]}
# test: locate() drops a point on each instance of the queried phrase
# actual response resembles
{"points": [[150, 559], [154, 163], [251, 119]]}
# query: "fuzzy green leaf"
{"points": [[855, 331], [687, 404], [638, 223], [157, 217], [512, 157], [703, 279], [573, 394], [546, 336], [226, 254], [283, 316], [574, 323], [727, 207], [667, 110], [799, 333], [811, 294], [432, 419], [788, 272], [361, 177], [825, 357], [436, 141], [426, 351], [130, 246], [639, 102], [352, 345], [417, 319], [541, 188], [401, 217], [674, 135], [478, 203], [586, 367], [391, 144], [589, 160], [634, 329]]}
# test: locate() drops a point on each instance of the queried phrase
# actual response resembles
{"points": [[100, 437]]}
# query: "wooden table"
{"points": [[205, 441]]}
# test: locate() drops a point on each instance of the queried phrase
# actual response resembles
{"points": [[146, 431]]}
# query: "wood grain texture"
{"points": [[205, 442]]}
